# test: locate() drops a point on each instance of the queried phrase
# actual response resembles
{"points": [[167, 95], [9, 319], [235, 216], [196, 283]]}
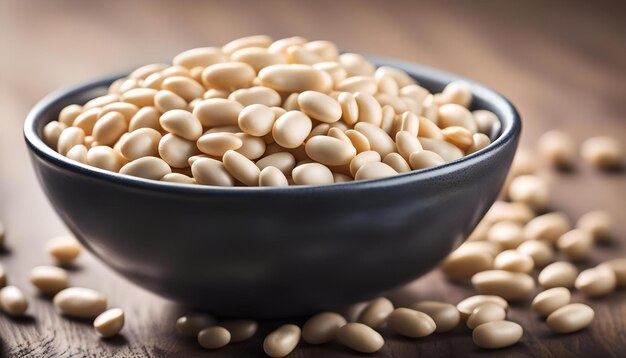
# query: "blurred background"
{"points": [[562, 63]]}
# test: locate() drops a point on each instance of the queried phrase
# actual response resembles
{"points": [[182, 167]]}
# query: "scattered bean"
{"points": [[80, 302], [495, 335], [550, 300], [109, 323], [597, 281], [376, 312], [214, 337], [49, 279], [411, 323], [13, 302], [282, 341], [360, 338], [570, 318], [445, 315], [322, 328], [558, 274]]}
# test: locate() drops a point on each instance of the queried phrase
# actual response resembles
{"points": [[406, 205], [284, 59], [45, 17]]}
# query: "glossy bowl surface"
{"points": [[273, 252]]}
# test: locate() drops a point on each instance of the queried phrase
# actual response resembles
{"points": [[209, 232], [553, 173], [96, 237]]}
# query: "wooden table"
{"points": [[561, 62]]}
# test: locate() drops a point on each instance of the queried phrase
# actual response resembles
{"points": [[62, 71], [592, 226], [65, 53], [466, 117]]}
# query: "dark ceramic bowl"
{"points": [[271, 252]]}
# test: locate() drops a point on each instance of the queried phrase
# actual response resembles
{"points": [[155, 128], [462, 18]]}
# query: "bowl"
{"points": [[274, 252]]}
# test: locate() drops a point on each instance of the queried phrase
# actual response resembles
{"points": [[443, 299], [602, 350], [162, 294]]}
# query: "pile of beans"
{"points": [[258, 112], [53, 281]]}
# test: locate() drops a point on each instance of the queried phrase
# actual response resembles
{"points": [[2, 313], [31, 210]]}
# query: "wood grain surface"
{"points": [[563, 63]]}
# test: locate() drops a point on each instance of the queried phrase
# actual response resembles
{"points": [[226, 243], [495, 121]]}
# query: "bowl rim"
{"points": [[510, 130]]}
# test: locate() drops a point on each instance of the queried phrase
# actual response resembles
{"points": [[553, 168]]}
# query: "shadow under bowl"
{"points": [[274, 252]]}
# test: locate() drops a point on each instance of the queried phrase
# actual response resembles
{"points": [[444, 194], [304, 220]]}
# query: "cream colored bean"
{"points": [[282, 341], [557, 148], [379, 140], [597, 223], [445, 315], [49, 280], [295, 78], [284, 161], [499, 334], [213, 337], [146, 70], [487, 312], [51, 133], [78, 153], [531, 190], [146, 117], [64, 249], [241, 168], [356, 65], [361, 84], [68, 138], [602, 152], [467, 306], [407, 144], [325, 49], [128, 110], [143, 142], [281, 46], [298, 54], [178, 178], [456, 115], [413, 91], [558, 274], [209, 171], [167, 100], [374, 170], [104, 157], [480, 141], [505, 211], [422, 159], [257, 57], [447, 151], [360, 338], [330, 151], [409, 122], [109, 128], [215, 93], [508, 234], [80, 302], [463, 264], [411, 323], [322, 328], [140, 97], [176, 151], [240, 330], [217, 112], [185, 87], [459, 136], [376, 312], [341, 178], [216, 144], [386, 85], [596, 282], [319, 106], [401, 78], [575, 244], [291, 129], [256, 120], [428, 129], [358, 140], [368, 109], [312, 174], [182, 124], [191, 325], [570, 318], [147, 167], [492, 248], [350, 107], [291, 102], [13, 302], [617, 265], [548, 227], [101, 101], [256, 95], [359, 160], [263, 41], [512, 286], [338, 133], [487, 122], [334, 69], [513, 260], [68, 114], [540, 251], [228, 75], [397, 163], [271, 176], [109, 323], [203, 57], [550, 300]]}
